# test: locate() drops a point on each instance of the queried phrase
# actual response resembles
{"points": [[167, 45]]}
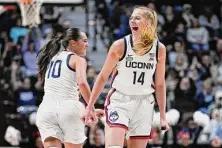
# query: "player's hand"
{"points": [[164, 125], [99, 113], [89, 117]]}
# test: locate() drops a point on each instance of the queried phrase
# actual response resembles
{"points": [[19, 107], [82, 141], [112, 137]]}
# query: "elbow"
{"points": [[160, 85], [82, 84], [103, 79]]}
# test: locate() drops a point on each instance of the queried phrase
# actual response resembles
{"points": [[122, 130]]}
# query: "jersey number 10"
{"points": [[138, 79], [55, 69]]}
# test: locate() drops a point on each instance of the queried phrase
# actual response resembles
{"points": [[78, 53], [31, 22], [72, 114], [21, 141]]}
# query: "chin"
{"points": [[135, 31], [83, 55]]}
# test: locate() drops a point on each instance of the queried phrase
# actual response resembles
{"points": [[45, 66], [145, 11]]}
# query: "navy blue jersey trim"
{"points": [[157, 49], [67, 62], [125, 49]]}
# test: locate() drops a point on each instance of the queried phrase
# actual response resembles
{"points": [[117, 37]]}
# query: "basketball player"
{"points": [[61, 65], [136, 60]]}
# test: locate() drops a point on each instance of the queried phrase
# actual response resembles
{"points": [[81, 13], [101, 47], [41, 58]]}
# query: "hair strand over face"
{"points": [[148, 32]]}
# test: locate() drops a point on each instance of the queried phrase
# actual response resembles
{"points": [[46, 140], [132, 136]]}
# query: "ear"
{"points": [[73, 43]]}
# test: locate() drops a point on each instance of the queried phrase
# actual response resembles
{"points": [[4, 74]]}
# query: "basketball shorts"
{"points": [[131, 112], [61, 119]]}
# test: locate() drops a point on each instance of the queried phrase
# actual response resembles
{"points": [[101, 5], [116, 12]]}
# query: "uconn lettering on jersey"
{"points": [[140, 65]]}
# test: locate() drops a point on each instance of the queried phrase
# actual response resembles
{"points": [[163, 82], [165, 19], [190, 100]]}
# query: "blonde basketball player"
{"points": [[135, 59], [64, 72]]}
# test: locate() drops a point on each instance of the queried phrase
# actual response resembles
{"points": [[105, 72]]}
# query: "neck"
{"points": [[139, 48], [69, 48], [136, 38]]}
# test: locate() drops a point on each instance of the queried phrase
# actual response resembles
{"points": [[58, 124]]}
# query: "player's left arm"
{"points": [[80, 65], [160, 90]]}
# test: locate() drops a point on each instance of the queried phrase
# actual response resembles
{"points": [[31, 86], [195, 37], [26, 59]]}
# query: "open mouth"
{"points": [[135, 28]]}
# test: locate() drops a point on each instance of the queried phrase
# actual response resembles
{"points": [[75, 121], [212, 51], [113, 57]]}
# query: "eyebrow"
{"points": [[135, 16]]}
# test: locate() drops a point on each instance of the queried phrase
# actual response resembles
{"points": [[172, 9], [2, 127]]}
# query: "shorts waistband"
{"points": [[117, 91]]}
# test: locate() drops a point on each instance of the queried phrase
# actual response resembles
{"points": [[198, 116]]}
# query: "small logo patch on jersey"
{"points": [[151, 59], [113, 116], [129, 58], [152, 55]]}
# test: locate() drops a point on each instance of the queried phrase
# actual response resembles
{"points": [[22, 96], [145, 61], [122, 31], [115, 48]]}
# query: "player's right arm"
{"points": [[80, 65], [115, 53]]}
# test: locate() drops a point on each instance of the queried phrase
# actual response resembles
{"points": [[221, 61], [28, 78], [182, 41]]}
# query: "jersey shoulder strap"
{"points": [[68, 61]]}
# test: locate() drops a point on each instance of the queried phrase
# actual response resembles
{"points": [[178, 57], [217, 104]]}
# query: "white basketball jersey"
{"points": [[134, 74], [60, 78]]}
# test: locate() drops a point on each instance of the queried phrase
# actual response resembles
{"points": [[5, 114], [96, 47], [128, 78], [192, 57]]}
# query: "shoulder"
{"points": [[118, 44], [74, 60], [161, 51], [161, 46], [118, 48]]}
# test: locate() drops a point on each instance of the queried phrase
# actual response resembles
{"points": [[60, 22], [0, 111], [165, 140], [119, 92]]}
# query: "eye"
{"points": [[137, 18]]}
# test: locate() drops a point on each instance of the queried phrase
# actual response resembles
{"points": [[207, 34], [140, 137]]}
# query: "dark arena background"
{"points": [[190, 30]]}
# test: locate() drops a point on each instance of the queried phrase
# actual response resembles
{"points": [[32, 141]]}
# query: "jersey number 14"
{"points": [[138, 78]]}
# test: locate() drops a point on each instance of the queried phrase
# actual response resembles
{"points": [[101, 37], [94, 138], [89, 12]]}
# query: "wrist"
{"points": [[90, 107], [162, 117]]}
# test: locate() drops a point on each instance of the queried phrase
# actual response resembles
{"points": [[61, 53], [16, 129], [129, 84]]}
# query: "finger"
{"points": [[99, 115], [88, 123], [83, 119], [91, 122], [93, 119], [168, 127], [93, 116], [86, 120], [96, 120], [102, 114], [163, 129]]}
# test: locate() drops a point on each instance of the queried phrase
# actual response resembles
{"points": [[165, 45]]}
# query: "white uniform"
{"points": [[130, 102], [59, 114]]}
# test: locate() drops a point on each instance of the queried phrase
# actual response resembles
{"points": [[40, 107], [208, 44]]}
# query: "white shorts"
{"points": [[131, 112], [61, 119]]}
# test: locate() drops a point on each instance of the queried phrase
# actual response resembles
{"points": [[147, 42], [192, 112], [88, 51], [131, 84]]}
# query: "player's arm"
{"points": [[160, 81], [80, 65], [115, 53]]}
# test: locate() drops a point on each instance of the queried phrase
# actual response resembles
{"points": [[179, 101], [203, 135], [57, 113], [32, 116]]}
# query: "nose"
{"points": [[132, 22], [87, 44]]}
